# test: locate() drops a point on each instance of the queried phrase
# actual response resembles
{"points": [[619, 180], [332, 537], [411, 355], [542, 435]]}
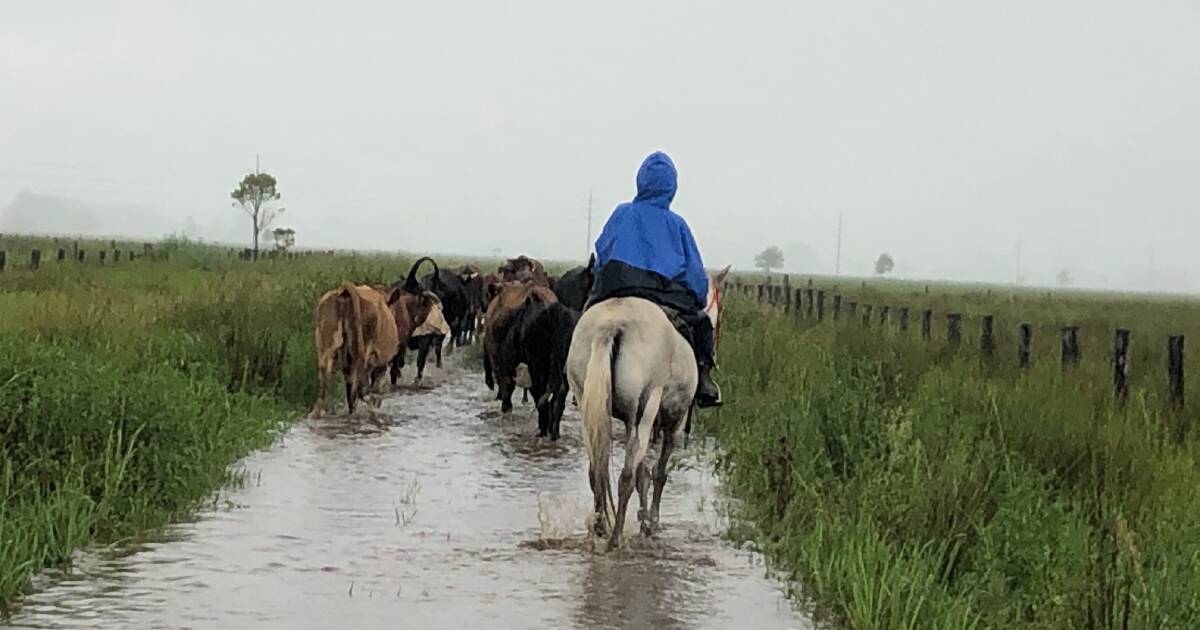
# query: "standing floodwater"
{"points": [[438, 514]]}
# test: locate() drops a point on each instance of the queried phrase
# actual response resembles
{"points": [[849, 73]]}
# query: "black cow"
{"points": [[540, 337], [472, 280], [423, 344], [451, 290], [574, 286]]}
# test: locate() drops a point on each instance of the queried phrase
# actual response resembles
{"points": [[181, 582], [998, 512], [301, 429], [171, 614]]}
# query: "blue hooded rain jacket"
{"points": [[647, 236]]}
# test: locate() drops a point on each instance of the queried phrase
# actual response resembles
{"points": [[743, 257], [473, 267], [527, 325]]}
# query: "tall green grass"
{"points": [[127, 390], [904, 485]]}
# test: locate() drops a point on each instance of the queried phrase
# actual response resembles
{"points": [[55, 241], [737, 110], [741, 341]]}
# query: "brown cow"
{"points": [[409, 311], [524, 269], [355, 333], [507, 298]]}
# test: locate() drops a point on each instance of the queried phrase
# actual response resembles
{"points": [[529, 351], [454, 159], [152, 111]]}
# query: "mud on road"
{"points": [[437, 512]]}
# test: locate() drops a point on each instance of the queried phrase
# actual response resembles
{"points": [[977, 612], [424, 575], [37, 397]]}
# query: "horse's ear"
{"points": [[720, 278], [394, 295]]}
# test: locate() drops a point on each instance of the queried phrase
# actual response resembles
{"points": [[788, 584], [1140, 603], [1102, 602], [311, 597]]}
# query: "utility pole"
{"points": [[1150, 278], [1017, 278], [837, 268], [587, 249], [256, 164]]}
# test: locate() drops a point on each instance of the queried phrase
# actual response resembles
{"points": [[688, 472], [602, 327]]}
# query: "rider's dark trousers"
{"points": [[617, 279]]}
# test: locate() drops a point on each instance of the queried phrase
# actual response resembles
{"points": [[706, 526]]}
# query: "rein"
{"points": [[714, 306]]}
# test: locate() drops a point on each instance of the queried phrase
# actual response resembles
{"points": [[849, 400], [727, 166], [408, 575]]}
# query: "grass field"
{"points": [[900, 483], [127, 390], [906, 485]]}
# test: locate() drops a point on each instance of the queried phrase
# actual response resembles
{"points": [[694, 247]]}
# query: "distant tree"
{"points": [[884, 264], [254, 195], [1064, 278], [769, 258]]}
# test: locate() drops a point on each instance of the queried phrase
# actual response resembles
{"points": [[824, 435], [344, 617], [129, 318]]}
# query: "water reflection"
{"points": [[434, 512]]}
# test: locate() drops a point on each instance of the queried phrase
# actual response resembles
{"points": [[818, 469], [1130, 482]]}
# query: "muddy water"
{"points": [[436, 513]]}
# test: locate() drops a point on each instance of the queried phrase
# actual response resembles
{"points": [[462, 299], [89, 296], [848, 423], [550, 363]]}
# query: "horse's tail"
{"points": [[597, 414]]}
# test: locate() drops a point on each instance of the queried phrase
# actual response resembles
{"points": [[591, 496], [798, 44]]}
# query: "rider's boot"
{"points": [[707, 392]]}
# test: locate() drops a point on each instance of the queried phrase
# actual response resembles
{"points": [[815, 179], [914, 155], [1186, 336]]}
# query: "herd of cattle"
{"points": [[524, 315]]}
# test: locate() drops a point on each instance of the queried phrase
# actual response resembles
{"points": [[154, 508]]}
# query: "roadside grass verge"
{"points": [[900, 484]]}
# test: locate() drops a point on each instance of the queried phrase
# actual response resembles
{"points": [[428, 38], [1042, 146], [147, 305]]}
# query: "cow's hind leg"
{"points": [[507, 386], [351, 393], [323, 378], [636, 445], [543, 406], [396, 364], [488, 378], [422, 356]]}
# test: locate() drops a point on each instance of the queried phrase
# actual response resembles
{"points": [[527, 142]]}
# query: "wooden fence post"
{"points": [[130, 256], [35, 258], [102, 254], [954, 328], [61, 255], [1174, 368], [808, 295], [820, 305], [787, 299], [866, 315], [116, 255], [1070, 346], [903, 318], [837, 307], [3, 259], [1121, 364], [761, 291], [987, 343], [927, 324], [1025, 345], [885, 314], [852, 309], [80, 255]]}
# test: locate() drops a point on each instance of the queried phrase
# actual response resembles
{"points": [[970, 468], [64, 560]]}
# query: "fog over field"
{"points": [[944, 133]]}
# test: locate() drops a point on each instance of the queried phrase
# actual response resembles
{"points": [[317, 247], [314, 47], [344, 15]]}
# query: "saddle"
{"points": [[673, 316], [677, 321]]}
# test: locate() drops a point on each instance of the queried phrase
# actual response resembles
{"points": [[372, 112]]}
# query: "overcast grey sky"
{"points": [[945, 131]]}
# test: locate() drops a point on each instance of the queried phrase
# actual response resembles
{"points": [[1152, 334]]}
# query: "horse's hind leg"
{"points": [[636, 445], [598, 479], [660, 475], [643, 490]]}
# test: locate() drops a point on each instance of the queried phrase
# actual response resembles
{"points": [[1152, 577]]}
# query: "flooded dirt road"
{"points": [[439, 514]]}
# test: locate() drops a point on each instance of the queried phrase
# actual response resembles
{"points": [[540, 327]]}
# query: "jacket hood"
{"points": [[657, 179]]}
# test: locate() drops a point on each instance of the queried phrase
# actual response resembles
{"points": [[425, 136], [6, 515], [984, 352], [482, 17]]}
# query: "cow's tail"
{"points": [[597, 414], [411, 284], [349, 314]]}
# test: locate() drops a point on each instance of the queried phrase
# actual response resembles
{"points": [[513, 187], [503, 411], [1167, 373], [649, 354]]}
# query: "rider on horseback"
{"points": [[647, 251]]}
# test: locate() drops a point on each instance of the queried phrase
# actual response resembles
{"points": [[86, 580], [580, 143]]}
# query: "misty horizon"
{"points": [[943, 135]]}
